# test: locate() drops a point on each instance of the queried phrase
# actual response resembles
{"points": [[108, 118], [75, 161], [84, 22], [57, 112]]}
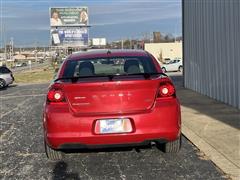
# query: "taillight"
{"points": [[166, 89], [55, 95]]}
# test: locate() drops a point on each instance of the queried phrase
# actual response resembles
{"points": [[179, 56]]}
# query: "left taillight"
{"points": [[55, 95]]}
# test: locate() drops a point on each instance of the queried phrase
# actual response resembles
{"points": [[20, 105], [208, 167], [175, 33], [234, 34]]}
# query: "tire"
{"points": [[173, 146], [52, 154], [180, 69], [164, 69], [2, 83]]}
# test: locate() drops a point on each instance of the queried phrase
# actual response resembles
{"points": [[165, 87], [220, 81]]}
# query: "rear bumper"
{"points": [[102, 146], [9, 80], [64, 130]]}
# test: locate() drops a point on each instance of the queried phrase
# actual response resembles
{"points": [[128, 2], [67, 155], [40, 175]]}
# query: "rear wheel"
{"points": [[173, 146], [53, 154], [2, 83]]}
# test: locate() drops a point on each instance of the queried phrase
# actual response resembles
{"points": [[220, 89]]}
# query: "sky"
{"points": [[27, 21]]}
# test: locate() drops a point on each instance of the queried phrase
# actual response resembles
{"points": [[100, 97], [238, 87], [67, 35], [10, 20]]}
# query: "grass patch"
{"points": [[41, 75]]}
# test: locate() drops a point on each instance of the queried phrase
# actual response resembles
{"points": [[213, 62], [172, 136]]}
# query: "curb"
{"points": [[216, 157]]}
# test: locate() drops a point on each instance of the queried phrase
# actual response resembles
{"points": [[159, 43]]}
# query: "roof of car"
{"points": [[107, 53], [3, 67]]}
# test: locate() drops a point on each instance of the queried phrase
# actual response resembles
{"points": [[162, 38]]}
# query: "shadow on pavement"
{"points": [[60, 172], [7, 87], [121, 148], [206, 105]]}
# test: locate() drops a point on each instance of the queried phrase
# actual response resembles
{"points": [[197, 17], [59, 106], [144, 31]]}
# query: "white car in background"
{"points": [[6, 77], [173, 65]]}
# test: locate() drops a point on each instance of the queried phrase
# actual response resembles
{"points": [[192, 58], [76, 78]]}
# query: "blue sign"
{"points": [[69, 36]]}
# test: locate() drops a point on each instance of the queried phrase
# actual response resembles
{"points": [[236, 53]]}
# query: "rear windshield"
{"points": [[109, 66]]}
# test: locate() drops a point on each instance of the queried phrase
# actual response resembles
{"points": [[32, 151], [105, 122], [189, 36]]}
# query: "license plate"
{"points": [[114, 126]]}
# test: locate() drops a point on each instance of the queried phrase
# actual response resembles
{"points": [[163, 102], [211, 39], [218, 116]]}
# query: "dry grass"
{"points": [[41, 75]]}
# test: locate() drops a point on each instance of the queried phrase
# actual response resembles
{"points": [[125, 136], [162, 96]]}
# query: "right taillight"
{"points": [[166, 89], [55, 94]]}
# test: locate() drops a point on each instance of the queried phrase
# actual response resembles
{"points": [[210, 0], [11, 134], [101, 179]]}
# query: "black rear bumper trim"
{"points": [[69, 146]]}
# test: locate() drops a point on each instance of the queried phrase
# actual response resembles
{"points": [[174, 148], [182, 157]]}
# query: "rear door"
{"points": [[172, 66]]}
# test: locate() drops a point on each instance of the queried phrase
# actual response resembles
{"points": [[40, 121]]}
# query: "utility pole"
{"points": [[35, 51], [5, 50], [150, 37], [130, 42], [11, 48]]}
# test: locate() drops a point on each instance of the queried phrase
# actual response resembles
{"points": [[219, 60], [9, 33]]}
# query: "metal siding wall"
{"points": [[212, 48]]}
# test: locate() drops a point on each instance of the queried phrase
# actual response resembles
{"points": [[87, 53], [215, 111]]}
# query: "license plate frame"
{"points": [[114, 126]]}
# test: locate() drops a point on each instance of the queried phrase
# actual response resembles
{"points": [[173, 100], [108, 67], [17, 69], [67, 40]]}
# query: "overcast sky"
{"points": [[27, 21]]}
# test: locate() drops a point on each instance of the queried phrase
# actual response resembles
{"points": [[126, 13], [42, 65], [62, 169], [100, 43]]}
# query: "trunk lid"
{"points": [[111, 97]]}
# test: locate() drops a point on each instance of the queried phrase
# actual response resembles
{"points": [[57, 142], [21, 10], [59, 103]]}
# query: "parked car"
{"points": [[173, 65], [21, 64], [18, 65], [6, 77], [24, 64], [40, 61], [96, 105]]}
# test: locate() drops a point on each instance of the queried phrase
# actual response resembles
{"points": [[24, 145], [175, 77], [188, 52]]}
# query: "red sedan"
{"points": [[111, 99]]}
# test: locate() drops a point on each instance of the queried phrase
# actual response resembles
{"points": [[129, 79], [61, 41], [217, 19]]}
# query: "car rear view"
{"points": [[6, 77], [110, 99]]}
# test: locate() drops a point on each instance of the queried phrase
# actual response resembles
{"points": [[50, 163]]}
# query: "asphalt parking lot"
{"points": [[22, 151]]}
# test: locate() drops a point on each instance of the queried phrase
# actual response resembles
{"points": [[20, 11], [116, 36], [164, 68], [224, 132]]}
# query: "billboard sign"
{"points": [[69, 16], [69, 26], [99, 41], [69, 36]]}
